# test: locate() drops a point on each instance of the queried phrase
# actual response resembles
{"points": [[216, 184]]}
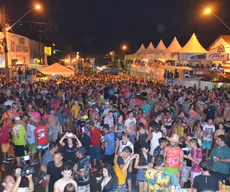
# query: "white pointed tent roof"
{"points": [[151, 46], [161, 46], [57, 69], [174, 46], [193, 46], [141, 49], [150, 49]]}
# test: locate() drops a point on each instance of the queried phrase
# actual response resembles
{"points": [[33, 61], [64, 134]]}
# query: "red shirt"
{"points": [[95, 136], [4, 134], [67, 112], [41, 134]]}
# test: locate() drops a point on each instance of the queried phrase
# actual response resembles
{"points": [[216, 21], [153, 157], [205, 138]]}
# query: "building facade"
{"points": [[21, 50]]}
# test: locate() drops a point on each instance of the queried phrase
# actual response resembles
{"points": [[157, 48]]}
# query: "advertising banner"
{"points": [[204, 56]]}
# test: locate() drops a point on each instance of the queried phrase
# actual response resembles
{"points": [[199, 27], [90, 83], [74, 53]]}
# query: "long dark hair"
{"points": [[111, 171]]}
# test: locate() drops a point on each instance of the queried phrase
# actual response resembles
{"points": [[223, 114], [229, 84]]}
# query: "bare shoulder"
{"points": [[58, 182], [74, 182]]}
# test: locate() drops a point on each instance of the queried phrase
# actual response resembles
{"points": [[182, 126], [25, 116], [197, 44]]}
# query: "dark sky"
{"points": [[98, 26]]}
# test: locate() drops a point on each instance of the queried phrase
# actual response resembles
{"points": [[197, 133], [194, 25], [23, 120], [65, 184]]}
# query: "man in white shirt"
{"points": [[209, 130], [124, 143], [130, 126]]}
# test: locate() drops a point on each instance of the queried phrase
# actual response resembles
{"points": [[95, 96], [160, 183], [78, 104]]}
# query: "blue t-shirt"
{"points": [[146, 108], [110, 139], [47, 157], [30, 134]]}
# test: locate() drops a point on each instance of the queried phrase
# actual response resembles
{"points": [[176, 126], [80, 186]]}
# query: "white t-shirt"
{"points": [[131, 124], [154, 141], [210, 129], [122, 146]]}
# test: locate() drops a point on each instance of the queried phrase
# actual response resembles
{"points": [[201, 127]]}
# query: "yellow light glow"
{"points": [[207, 11], [111, 53], [53, 44], [67, 60], [38, 7], [124, 47]]}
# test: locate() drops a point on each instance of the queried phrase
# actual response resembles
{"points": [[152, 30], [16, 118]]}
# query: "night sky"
{"points": [[98, 26]]}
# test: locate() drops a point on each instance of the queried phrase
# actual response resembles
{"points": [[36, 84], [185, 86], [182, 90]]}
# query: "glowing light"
{"points": [[38, 7], [111, 53], [207, 11], [124, 47]]}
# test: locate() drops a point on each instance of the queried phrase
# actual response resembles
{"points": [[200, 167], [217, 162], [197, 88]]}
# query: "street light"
{"points": [[209, 11], [124, 47], [37, 7]]}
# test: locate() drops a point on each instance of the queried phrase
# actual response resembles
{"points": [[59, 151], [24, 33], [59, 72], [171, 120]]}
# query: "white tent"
{"points": [[161, 46], [150, 50], [193, 46], [174, 46], [140, 51], [57, 69]]}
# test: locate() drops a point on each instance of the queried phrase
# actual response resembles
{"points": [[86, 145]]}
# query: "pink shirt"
{"points": [[196, 155], [172, 157], [4, 137]]}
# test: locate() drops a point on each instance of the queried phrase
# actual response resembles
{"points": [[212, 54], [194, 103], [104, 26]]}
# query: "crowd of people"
{"points": [[136, 135]]}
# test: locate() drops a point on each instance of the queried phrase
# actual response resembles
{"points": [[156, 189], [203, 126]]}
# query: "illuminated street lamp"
{"points": [[37, 7], [124, 47], [209, 11], [111, 53]]}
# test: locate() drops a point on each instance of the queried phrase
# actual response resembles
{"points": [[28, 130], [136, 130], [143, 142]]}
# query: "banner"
{"points": [[217, 56], [204, 56]]}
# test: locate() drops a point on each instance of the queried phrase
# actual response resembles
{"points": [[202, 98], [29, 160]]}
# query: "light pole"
{"points": [[36, 7], [6, 28], [209, 11]]}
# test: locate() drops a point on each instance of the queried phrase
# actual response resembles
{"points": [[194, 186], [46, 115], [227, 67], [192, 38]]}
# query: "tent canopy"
{"points": [[57, 69], [149, 49], [38, 73], [174, 46], [140, 50], [161, 46], [193, 46]]}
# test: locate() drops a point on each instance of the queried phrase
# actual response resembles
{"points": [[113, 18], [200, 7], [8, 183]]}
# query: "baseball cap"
{"points": [[90, 123], [85, 117], [84, 129], [81, 150], [17, 118]]}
